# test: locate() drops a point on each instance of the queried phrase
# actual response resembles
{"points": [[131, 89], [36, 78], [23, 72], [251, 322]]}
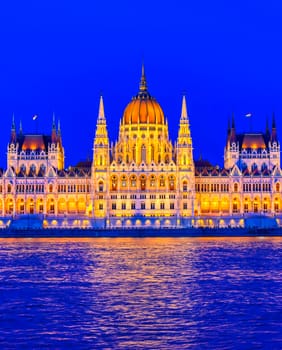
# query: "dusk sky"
{"points": [[58, 56]]}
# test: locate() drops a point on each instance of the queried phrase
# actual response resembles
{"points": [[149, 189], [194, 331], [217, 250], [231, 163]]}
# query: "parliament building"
{"points": [[143, 179]]}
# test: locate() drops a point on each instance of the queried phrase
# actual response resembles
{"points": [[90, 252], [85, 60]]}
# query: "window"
{"points": [[171, 206], [114, 206], [153, 206], [185, 186], [114, 183], [143, 182], [162, 205], [236, 187], [171, 183], [277, 187], [255, 207], [133, 181], [235, 207], [143, 206], [100, 206], [123, 206], [246, 208], [185, 206], [101, 186], [133, 206], [123, 181]]}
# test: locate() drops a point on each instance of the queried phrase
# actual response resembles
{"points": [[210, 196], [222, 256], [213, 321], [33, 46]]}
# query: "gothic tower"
{"points": [[100, 166], [185, 164]]}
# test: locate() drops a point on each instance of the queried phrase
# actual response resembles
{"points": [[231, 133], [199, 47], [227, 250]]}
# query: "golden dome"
{"points": [[143, 108]]}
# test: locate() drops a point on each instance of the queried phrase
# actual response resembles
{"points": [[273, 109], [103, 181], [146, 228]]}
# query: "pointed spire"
{"points": [[101, 113], [143, 83], [233, 121], [273, 121], [21, 128], [228, 126], [13, 122], [232, 130], [54, 122], [54, 133], [13, 137], [59, 127], [184, 114], [273, 137]]}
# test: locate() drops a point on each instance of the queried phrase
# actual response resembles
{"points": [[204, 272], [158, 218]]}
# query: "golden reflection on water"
{"points": [[141, 293]]}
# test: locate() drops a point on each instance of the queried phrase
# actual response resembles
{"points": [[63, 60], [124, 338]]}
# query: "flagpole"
{"points": [[249, 115], [35, 118]]}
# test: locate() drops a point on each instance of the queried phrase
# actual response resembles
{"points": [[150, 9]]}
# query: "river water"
{"points": [[141, 293]]}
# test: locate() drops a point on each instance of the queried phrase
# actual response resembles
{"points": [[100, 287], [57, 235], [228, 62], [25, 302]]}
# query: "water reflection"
{"points": [[149, 293]]}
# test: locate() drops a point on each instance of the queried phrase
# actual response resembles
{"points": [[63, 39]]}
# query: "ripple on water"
{"points": [[141, 293]]}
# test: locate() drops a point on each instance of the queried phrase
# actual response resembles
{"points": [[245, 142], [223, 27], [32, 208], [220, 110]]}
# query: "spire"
{"points": [[59, 127], [101, 113], [184, 114], [233, 121], [228, 126], [21, 128], [13, 137], [54, 123], [273, 137], [143, 83], [54, 133], [13, 122], [232, 130], [273, 121]]}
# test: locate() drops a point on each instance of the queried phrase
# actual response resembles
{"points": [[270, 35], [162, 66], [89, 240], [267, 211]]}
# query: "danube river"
{"points": [[141, 293]]}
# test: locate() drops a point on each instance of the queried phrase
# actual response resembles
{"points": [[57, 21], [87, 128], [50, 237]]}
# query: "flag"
{"points": [[35, 117], [248, 115]]}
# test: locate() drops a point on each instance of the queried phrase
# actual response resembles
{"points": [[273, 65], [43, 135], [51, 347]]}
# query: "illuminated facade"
{"points": [[142, 179]]}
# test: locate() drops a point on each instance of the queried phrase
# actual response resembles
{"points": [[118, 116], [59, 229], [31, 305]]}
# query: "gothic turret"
{"points": [[101, 140], [54, 132], [13, 138], [184, 140]]}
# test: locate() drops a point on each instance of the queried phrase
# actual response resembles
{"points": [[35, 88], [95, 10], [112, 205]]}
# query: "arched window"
{"points": [[23, 169], [152, 181], [143, 153], [185, 186], [42, 168], [236, 187], [171, 183], [277, 187], [134, 153], [101, 186], [50, 188], [114, 183], [162, 181], [152, 153], [254, 167], [32, 168], [184, 160], [100, 160], [143, 182], [9, 188], [123, 181], [133, 181]]}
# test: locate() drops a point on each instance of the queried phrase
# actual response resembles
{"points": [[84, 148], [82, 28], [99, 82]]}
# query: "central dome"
{"points": [[143, 108]]}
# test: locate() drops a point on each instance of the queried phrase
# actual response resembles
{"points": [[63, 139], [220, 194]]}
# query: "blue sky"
{"points": [[58, 56]]}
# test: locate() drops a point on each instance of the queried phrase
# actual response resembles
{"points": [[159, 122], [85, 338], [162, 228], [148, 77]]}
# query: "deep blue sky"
{"points": [[57, 56]]}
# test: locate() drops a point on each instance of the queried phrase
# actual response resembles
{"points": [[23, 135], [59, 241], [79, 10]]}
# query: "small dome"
{"points": [[143, 108]]}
